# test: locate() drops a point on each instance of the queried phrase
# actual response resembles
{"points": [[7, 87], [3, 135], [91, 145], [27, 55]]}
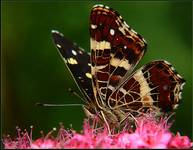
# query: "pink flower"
{"points": [[180, 142], [154, 134], [150, 132], [44, 144]]}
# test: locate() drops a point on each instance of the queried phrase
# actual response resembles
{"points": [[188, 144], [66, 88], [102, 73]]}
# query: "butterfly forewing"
{"points": [[115, 50], [78, 62]]}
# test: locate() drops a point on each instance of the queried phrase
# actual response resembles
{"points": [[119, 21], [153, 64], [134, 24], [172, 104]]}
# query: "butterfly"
{"points": [[105, 76]]}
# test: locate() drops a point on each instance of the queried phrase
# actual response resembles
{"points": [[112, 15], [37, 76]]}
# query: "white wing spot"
{"points": [[88, 75], [179, 76], [173, 68], [98, 5], [133, 31], [126, 24], [80, 52], [112, 31], [107, 7], [74, 52], [58, 45], [180, 95], [144, 40], [93, 26], [175, 106], [167, 62], [61, 34], [72, 61], [122, 30], [181, 87], [55, 31]]}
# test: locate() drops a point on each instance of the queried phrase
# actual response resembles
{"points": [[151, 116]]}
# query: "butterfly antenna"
{"points": [[56, 105], [62, 105]]}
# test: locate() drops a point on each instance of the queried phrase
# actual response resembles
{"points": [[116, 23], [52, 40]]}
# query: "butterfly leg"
{"points": [[108, 128], [128, 117]]}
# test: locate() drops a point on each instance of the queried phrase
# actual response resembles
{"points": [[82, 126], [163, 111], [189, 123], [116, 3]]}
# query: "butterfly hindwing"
{"points": [[78, 62], [155, 85], [115, 50]]}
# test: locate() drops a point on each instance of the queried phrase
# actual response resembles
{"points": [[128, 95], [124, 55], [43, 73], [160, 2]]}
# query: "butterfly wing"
{"points": [[77, 61], [155, 85], [115, 50]]}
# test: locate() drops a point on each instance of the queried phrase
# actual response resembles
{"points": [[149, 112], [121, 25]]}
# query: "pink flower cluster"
{"points": [[149, 133]]}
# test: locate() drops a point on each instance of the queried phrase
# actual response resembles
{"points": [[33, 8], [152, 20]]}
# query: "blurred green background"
{"points": [[32, 70]]}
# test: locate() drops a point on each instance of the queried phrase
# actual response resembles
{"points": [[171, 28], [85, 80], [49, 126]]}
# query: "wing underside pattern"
{"points": [[78, 63], [115, 50], [155, 85]]}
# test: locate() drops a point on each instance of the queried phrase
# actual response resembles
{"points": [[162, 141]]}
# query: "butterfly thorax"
{"points": [[112, 116]]}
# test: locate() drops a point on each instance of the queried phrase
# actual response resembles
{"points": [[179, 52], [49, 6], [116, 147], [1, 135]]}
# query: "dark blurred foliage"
{"points": [[33, 71]]}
